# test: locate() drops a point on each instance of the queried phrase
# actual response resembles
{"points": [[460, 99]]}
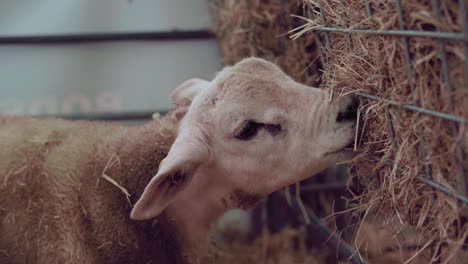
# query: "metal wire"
{"points": [[349, 43], [432, 183], [450, 101], [464, 19], [443, 189], [409, 65], [423, 153], [368, 9], [430, 34], [319, 43], [284, 28], [443, 56], [442, 115], [324, 21], [249, 37], [409, 33], [391, 130], [343, 248]]}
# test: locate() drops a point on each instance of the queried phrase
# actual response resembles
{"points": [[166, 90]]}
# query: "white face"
{"points": [[254, 129]]}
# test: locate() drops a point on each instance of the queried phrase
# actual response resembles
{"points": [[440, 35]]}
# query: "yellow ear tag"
{"points": [[161, 163], [188, 99]]}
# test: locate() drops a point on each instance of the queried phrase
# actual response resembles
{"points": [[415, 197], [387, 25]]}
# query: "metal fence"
{"points": [[323, 42], [462, 37]]}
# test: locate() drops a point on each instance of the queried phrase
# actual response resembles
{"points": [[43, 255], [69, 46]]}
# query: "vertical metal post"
{"points": [[464, 19], [319, 43], [368, 9], [349, 42], [409, 65], [448, 87], [324, 21]]}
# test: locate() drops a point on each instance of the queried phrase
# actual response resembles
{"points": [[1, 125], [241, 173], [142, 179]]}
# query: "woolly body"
{"points": [[56, 208]]}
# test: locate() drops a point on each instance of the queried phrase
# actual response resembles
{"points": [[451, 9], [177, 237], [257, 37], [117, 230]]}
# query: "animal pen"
{"points": [[404, 199], [407, 62]]}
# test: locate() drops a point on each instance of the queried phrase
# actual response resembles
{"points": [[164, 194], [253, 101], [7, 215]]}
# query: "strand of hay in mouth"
{"points": [[398, 145], [246, 28]]}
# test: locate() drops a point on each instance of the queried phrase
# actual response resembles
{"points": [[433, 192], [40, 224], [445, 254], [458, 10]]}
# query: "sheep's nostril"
{"points": [[345, 116], [350, 113]]}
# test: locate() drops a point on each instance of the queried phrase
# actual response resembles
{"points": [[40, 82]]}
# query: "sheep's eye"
{"points": [[248, 130]]}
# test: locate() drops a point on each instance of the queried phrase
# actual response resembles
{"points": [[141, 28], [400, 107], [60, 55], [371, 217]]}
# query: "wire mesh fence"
{"points": [[404, 34], [324, 27]]}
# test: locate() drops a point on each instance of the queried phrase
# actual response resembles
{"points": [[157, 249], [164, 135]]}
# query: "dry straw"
{"points": [[286, 247], [258, 28], [415, 108]]}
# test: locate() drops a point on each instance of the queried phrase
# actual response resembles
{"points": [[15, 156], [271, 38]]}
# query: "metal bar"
{"points": [[343, 249], [324, 20], [464, 18], [409, 65], [105, 37], [319, 43], [145, 115], [442, 115], [249, 37], [368, 9], [450, 102], [432, 183], [423, 153], [390, 128], [349, 42], [409, 33], [443, 189], [284, 28], [443, 56]]}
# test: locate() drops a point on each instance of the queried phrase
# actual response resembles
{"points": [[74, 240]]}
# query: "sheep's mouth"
{"points": [[354, 143], [343, 150], [349, 148]]}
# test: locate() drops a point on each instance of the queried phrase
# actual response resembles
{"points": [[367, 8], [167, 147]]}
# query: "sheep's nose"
{"points": [[350, 112]]}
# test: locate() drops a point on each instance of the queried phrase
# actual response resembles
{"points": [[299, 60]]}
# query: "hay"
{"points": [[375, 244], [246, 28], [399, 145], [286, 247]]}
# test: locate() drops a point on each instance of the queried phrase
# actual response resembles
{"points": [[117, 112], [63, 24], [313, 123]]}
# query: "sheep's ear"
{"points": [[174, 175], [184, 94]]}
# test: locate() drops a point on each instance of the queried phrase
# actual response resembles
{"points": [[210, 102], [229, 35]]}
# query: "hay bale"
{"points": [[398, 145], [259, 28]]}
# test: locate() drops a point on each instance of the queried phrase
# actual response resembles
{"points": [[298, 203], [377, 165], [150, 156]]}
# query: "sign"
{"points": [[104, 77]]}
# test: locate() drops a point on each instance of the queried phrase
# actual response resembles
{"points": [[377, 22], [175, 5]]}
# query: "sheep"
{"points": [[95, 192]]}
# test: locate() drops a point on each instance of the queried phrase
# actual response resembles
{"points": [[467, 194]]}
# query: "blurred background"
{"points": [[85, 58]]}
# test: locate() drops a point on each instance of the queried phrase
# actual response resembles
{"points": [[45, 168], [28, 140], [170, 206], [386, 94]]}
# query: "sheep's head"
{"points": [[253, 129]]}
